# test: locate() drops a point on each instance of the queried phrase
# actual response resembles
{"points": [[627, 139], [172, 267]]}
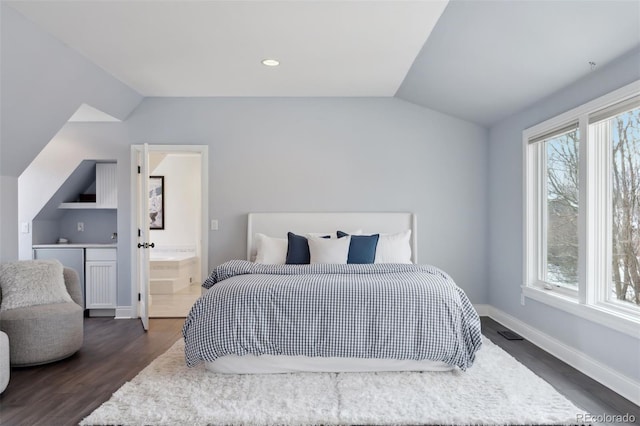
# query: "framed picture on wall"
{"points": [[156, 202]]}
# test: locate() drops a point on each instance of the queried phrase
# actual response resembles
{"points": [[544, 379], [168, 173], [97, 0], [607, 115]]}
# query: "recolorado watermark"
{"points": [[605, 418]]}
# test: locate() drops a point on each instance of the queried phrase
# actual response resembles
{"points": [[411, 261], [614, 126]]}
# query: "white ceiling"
{"points": [[480, 60], [215, 48]]}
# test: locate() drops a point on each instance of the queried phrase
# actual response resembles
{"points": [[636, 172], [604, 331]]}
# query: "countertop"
{"points": [[76, 245]]}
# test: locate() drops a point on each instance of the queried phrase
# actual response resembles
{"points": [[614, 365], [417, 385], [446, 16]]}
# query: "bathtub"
{"points": [[173, 269], [170, 256]]}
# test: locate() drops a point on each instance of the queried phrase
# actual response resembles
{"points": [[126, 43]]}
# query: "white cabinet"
{"points": [[100, 278], [106, 186]]}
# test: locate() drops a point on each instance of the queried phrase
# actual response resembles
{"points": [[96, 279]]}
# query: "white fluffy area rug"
{"points": [[497, 389]]}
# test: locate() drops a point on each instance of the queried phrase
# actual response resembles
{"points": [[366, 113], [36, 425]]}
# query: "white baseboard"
{"points": [[609, 377], [124, 312]]}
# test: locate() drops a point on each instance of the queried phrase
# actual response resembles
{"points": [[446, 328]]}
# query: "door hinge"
{"points": [[139, 170], [139, 232], [139, 297]]}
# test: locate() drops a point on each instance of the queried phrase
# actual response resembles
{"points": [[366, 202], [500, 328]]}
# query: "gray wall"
{"points": [[506, 223], [43, 231], [323, 154], [99, 224]]}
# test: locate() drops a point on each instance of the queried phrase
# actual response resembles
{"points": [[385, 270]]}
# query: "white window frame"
{"points": [[591, 300], [536, 193]]}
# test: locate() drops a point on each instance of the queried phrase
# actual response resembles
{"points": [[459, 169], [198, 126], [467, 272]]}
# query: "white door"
{"points": [[143, 244], [140, 216]]}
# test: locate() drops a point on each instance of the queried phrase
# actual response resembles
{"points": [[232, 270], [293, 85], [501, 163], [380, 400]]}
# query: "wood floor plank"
{"points": [[114, 351]]}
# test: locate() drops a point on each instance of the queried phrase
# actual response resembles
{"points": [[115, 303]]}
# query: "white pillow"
{"points": [[322, 234], [32, 282], [328, 250], [270, 251], [394, 248], [333, 234]]}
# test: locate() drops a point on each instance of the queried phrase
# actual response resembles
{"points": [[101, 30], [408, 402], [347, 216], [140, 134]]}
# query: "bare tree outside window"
{"points": [[625, 191], [622, 133], [562, 209]]}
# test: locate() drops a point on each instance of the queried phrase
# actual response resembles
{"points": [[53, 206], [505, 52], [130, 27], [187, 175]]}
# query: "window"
{"points": [[561, 209], [621, 136], [582, 210]]}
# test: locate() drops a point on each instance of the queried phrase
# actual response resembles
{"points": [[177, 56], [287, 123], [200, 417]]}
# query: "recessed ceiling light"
{"points": [[270, 62]]}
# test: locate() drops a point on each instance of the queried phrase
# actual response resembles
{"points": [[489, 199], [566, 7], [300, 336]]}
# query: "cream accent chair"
{"points": [[46, 333]]}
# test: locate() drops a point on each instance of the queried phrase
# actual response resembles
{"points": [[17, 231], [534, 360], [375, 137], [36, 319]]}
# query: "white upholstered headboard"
{"points": [[278, 224]]}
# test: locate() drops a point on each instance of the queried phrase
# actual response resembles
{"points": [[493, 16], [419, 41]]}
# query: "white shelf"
{"points": [[78, 205]]}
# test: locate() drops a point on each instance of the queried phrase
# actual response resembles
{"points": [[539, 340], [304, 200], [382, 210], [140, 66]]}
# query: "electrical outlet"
{"points": [[214, 224], [522, 299], [80, 226]]}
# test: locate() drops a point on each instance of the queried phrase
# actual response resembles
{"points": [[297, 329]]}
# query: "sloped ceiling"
{"points": [[486, 60], [477, 60], [42, 83]]}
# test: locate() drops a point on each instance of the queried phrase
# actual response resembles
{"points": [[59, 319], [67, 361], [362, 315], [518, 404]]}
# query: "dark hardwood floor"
{"points": [[114, 351], [65, 392]]}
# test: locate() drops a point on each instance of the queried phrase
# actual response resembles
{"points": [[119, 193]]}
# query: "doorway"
{"points": [[176, 259]]}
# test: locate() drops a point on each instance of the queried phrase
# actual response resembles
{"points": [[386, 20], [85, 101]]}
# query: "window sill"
{"points": [[627, 324]]}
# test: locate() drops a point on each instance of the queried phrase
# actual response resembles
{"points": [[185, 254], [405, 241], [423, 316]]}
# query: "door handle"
{"points": [[146, 245]]}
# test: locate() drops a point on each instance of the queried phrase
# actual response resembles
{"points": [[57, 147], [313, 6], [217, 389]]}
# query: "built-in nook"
{"points": [[87, 197], [78, 226]]}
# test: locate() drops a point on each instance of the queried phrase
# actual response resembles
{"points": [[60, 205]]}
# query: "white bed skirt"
{"points": [[271, 364]]}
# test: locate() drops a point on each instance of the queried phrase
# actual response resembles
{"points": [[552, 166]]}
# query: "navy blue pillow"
{"points": [[298, 249], [362, 248]]}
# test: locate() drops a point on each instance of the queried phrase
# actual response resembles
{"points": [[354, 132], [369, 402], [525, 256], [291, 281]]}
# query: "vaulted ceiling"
{"points": [[478, 60]]}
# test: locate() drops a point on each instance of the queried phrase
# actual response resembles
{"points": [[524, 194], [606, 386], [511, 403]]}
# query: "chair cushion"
{"points": [[32, 282], [5, 369], [43, 333]]}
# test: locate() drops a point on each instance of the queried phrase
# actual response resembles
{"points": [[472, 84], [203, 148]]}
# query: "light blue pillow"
{"points": [[362, 248]]}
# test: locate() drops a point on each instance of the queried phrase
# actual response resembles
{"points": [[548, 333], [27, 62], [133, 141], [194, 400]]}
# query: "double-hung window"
{"points": [[582, 210]]}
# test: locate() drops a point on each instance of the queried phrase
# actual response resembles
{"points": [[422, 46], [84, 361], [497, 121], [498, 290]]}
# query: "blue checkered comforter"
{"points": [[362, 311]]}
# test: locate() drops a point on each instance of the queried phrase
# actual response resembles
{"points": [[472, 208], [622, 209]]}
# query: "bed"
{"points": [[389, 315]]}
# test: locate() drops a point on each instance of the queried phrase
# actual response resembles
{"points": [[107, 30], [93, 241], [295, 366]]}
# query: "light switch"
{"points": [[24, 227], [214, 224]]}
